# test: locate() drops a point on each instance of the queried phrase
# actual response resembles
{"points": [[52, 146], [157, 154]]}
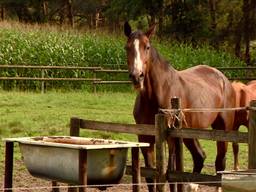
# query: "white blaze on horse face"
{"points": [[138, 64], [137, 59]]}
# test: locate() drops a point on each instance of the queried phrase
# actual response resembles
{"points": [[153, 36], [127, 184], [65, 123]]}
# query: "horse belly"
{"points": [[199, 119]]}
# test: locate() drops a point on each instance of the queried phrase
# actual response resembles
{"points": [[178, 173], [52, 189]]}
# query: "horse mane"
{"points": [[158, 59]]}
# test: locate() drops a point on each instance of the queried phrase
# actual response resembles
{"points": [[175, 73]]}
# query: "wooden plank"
{"points": [[8, 171], [144, 171], [48, 79], [112, 82], [138, 129], [160, 126], [82, 170], [232, 136], [176, 104], [49, 67], [204, 179], [252, 136], [74, 126], [112, 70], [135, 170]]}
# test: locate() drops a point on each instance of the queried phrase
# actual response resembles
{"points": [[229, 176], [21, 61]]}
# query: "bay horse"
{"points": [[244, 94], [156, 82]]}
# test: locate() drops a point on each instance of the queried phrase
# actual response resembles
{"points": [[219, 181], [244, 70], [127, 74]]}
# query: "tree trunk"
{"points": [[70, 14], [212, 6], [246, 14], [2, 12]]}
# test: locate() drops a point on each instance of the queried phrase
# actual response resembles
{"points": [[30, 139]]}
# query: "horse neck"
{"points": [[160, 74]]}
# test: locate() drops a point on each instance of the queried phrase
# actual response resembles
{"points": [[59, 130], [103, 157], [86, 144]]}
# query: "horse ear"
{"points": [[127, 29], [151, 31]]}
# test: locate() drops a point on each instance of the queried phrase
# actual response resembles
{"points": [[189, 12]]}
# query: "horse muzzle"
{"points": [[137, 80]]}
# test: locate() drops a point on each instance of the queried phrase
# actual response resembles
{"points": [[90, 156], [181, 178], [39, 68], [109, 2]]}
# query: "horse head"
{"points": [[138, 51]]}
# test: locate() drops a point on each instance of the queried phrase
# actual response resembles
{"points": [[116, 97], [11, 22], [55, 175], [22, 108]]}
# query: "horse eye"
{"points": [[147, 47]]}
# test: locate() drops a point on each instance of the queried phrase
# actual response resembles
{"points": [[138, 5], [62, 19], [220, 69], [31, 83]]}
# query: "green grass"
{"points": [[33, 114]]}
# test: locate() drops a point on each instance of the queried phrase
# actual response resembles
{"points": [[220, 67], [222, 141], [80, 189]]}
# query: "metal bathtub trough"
{"points": [[65, 158], [239, 181]]}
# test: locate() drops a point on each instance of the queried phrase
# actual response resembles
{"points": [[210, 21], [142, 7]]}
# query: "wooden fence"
{"points": [[249, 73], [161, 131]]}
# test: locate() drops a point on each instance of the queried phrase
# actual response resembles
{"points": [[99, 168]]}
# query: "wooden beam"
{"points": [[252, 137], [203, 179], [136, 179], [48, 79], [231, 136], [161, 127], [138, 129], [144, 171], [8, 171]]}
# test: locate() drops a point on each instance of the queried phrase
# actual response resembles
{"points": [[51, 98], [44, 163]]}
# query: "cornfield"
{"points": [[45, 45]]}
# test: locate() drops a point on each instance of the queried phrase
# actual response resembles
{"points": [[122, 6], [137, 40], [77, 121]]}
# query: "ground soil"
{"points": [[24, 182]]}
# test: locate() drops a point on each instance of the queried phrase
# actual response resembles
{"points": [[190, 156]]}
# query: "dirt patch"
{"points": [[24, 182]]}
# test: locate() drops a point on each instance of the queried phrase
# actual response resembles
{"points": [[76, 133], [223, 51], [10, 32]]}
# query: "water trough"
{"points": [[74, 159]]}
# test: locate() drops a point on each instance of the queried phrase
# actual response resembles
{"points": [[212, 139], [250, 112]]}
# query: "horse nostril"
{"points": [[141, 76]]}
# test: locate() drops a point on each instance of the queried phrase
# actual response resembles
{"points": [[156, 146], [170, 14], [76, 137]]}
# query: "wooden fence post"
{"points": [[8, 174], [42, 82], [135, 169], [74, 126], [176, 104], [161, 129], [252, 136], [74, 131]]}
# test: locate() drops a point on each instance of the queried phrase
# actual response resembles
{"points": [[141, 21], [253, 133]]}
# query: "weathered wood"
{"points": [[8, 170], [135, 170], [49, 67], [138, 129], [161, 127], [231, 136], [252, 137], [214, 180], [144, 171], [176, 104], [48, 79], [74, 126], [111, 82], [83, 170]]}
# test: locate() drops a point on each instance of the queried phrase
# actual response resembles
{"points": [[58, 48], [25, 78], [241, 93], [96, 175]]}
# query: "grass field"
{"points": [[34, 114]]}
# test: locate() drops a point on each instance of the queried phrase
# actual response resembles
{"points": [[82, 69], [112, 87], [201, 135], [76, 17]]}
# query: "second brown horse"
{"points": [[244, 94]]}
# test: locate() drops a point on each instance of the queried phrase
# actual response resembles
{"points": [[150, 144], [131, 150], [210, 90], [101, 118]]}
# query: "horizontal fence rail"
{"points": [[98, 76]]}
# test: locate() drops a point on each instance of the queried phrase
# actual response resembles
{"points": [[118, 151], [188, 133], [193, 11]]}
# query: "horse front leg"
{"points": [[149, 158]]}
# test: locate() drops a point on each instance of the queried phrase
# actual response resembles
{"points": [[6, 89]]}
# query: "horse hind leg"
{"points": [[235, 151], [197, 153], [220, 162]]}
